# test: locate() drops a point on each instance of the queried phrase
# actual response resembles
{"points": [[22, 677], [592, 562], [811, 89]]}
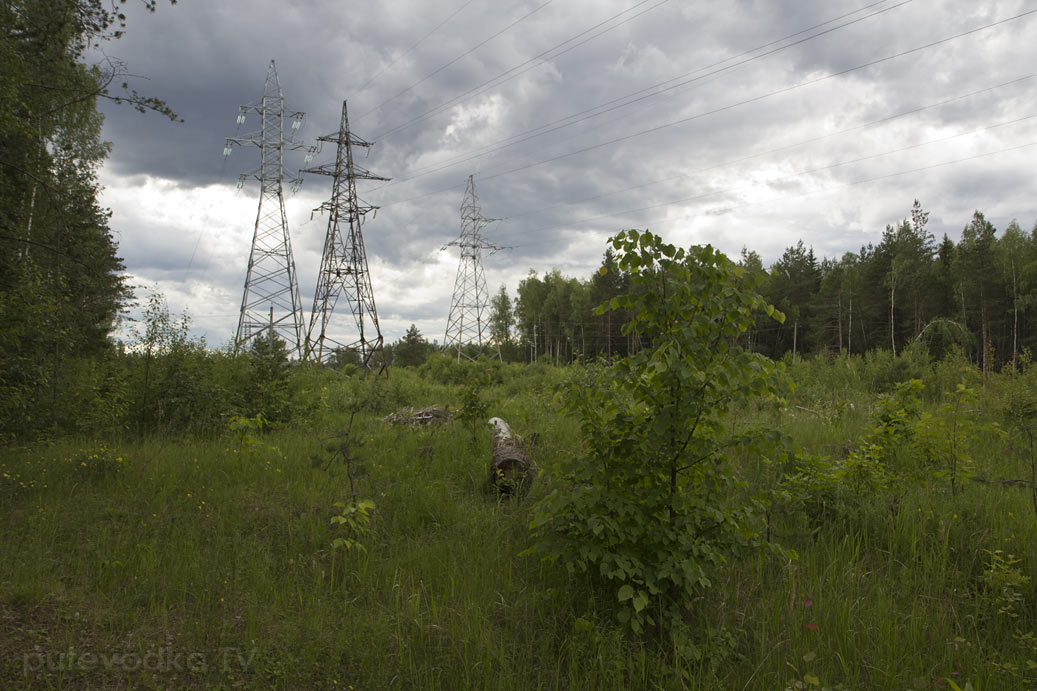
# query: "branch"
{"points": [[696, 461], [115, 69]]}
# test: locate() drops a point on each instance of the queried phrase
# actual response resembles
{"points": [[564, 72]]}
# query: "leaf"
{"points": [[811, 679], [810, 656], [625, 593]]}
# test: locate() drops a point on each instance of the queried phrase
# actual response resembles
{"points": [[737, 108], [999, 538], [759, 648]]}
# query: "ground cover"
{"points": [[208, 562]]}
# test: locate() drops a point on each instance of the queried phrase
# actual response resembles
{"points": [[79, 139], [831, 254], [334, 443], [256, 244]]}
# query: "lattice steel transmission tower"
{"points": [[343, 266], [270, 301], [466, 322]]}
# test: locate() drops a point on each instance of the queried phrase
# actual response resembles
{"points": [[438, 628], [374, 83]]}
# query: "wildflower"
{"points": [[812, 627]]}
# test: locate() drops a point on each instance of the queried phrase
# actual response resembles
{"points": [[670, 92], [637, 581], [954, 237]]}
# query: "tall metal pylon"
{"points": [[270, 301], [343, 266], [466, 322]]}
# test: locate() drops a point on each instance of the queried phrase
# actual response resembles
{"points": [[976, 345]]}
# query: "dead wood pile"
{"points": [[419, 417]]}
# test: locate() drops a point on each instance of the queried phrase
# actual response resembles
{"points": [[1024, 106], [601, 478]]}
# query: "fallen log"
{"points": [[511, 471]]}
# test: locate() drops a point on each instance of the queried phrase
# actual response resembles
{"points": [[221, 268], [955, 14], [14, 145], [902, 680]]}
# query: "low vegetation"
{"points": [[868, 524]]}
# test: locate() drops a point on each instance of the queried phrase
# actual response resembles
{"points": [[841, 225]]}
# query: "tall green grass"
{"points": [[219, 551]]}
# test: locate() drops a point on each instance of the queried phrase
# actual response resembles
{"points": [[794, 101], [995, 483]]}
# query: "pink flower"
{"points": [[812, 627]]}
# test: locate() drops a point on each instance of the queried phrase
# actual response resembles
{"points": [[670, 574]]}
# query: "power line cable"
{"points": [[755, 99], [528, 65], [786, 147], [727, 210], [728, 107], [462, 55], [641, 95], [732, 208], [788, 177], [411, 49]]}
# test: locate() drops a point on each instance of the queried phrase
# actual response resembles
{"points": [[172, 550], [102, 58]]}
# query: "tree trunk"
{"points": [[849, 328], [892, 333], [1015, 320], [840, 312]]}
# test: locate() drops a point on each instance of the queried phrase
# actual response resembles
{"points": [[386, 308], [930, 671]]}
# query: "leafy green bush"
{"points": [[445, 368], [648, 513]]}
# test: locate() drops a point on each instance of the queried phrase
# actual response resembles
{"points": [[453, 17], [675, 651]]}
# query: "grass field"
{"points": [[170, 562]]}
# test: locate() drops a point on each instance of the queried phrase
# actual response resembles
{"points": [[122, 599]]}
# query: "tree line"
{"points": [[975, 294], [62, 285]]}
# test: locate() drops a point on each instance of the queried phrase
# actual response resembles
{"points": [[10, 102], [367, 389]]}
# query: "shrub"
{"points": [[648, 513]]}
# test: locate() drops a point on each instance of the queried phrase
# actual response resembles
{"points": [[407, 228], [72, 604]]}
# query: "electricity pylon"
{"points": [[343, 266], [270, 301], [466, 322]]}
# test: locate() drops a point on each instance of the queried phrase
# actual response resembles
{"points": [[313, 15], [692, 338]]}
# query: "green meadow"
{"points": [[206, 561]]}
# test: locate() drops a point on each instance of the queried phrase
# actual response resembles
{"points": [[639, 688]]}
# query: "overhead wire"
{"points": [[876, 178], [789, 177], [642, 95], [410, 50], [769, 152], [529, 64], [730, 106], [777, 92], [462, 55]]}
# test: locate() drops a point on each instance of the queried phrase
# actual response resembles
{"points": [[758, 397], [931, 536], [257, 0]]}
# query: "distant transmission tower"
{"points": [[270, 301], [466, 322], [343, 267]]}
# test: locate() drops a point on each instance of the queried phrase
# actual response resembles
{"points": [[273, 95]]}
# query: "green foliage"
{"points": [[412, 350], [247, 431], [444, 368], [268, 393], [62, 285], [1019, 410], [948, 435], [96, 463], [475, 410], [354, 520], [649, 512], [1004, 582], [894, 416], [826, 490], [900, 592]]}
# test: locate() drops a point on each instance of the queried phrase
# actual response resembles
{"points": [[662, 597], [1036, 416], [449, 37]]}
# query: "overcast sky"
{"points": [[732, 122]]}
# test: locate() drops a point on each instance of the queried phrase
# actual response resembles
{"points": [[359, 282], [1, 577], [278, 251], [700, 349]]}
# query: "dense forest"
{"points": [[62, 285], [910, 288]]}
